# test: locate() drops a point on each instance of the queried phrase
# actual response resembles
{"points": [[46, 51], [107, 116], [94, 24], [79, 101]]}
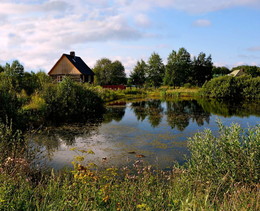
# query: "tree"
{"points": [[117, 73], [101, 70], [155, 70], [1, 69], [171, 75], [13, 75], [109, 73], [137, 77], [201, 69], [220, 71], [178, 68]]}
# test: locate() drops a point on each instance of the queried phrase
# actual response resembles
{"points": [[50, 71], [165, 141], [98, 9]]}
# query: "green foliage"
{"points": [[109, 73], [69, 100], [138, 77], [201, 69], [177, 68], [155, 70], [254, 71], [220, 71], [10, 141], [233, 156], [232, 87], [9, 106]]}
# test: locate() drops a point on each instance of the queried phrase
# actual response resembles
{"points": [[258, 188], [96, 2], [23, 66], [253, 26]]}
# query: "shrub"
{"points": [[232, 87], [231, 156], [69, 101]]}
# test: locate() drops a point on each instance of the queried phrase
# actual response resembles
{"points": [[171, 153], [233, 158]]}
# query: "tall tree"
{"points": [[155, 70], [109, 73], [137, 76], [178, 68], [101, 70], [201, 69], [117, 74]]}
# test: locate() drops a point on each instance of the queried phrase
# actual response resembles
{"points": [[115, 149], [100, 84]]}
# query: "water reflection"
{"points": [[156, 128], [178, 113]]}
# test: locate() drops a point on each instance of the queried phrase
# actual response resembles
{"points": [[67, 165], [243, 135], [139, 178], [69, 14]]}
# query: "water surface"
{"points": [[156, 130]]}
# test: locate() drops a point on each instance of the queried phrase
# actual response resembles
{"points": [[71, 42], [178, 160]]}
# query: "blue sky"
{"points": [[38, 32]]}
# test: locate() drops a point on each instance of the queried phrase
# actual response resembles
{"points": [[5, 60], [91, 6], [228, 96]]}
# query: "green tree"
{"points": [[117, 74], [178, 67], [220, 71], [42, 79], [201, 70], [1, 68], [101, 70], [155, 70], [137, 76], [13, 75], [109, 73]]}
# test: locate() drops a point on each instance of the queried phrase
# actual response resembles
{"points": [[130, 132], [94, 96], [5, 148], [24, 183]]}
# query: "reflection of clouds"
{"points": [[101, 145], [161, 145]]}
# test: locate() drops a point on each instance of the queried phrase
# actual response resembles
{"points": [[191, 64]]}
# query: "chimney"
{"points": [[72, 53]]}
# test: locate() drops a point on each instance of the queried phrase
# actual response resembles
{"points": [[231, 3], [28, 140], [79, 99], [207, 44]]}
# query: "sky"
{"points": [[38, 32]]}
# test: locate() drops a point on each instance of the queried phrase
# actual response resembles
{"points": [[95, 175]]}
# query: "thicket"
{"points": [[232, 87]]}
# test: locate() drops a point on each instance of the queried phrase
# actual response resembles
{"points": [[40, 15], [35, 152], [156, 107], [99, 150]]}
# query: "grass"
{"points": [[164, 91], [222, 174]]}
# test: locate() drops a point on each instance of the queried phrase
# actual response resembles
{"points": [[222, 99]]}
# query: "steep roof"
{"points": [[237, 72], [79, 64]]}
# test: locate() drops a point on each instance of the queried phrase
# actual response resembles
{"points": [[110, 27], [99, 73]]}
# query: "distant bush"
{"points": [[232, 87]]}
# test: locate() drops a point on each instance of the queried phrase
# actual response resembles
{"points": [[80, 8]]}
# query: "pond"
{"points": [[153, 131]]}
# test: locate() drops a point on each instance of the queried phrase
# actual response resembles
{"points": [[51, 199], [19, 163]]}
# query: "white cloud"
{"points": [[202, 23], [35, 31], [142, 20]]}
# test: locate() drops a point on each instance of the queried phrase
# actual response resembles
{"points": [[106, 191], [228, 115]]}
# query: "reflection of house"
{"points": [[72, 66], [236, 73]]}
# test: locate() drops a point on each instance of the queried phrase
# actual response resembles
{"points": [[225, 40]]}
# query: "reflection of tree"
{"points": [[151, 109], [230, 108], [155, 112], [114, 113], [139, 109], [179, 114]]}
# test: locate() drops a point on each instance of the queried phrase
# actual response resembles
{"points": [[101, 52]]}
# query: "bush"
{"points": [[69, 101], [232, 87], [232, 156]]}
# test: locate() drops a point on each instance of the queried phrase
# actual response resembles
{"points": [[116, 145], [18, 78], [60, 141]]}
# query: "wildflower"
{"points": [[143, 207], [105, 199]]}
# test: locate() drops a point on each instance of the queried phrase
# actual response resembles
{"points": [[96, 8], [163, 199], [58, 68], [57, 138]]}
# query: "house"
{"points": [[72, 66], [236, 73]]}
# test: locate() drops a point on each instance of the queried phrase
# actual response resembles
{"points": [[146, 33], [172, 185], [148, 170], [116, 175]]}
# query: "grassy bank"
{"points": [[133, 92], [222, 174]]}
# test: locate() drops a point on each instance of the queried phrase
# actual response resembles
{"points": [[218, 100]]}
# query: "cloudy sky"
{"points": [[38, 32]]}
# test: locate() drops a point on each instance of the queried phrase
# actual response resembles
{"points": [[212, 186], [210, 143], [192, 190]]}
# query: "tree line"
{"points": [[181, 69]]}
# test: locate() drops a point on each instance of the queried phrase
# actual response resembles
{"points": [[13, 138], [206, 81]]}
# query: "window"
{"points": [[59, 78]]}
